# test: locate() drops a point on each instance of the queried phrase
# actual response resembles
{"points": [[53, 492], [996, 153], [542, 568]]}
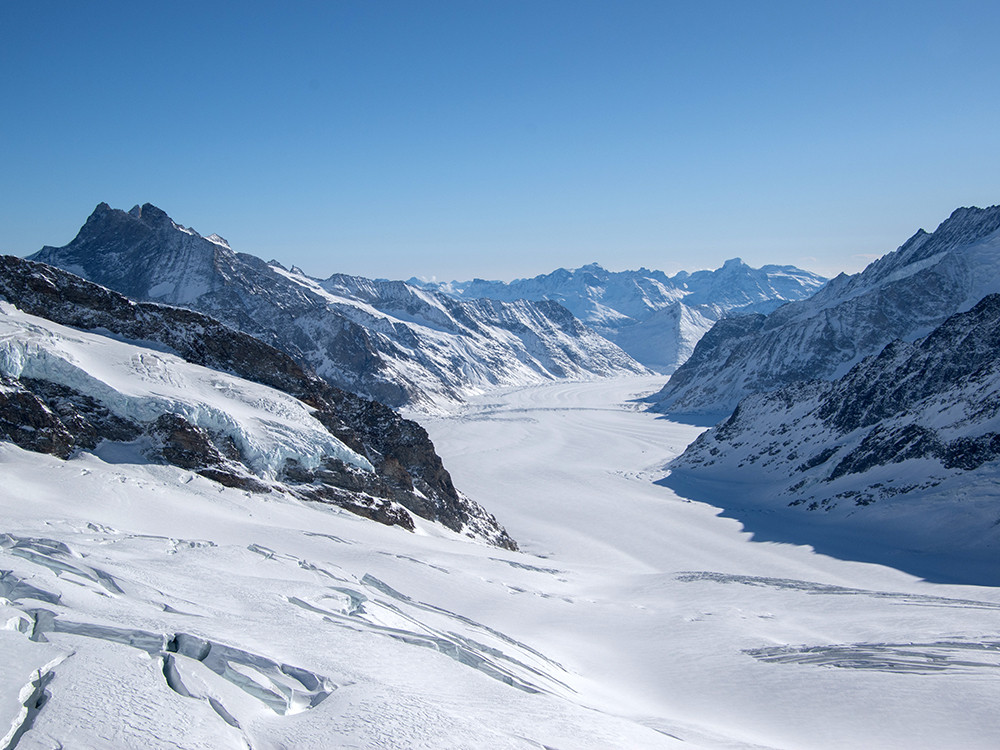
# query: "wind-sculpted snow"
{"points": [[903, 295], [656, 318], [827, 589], [383, 340], [908, 440]]}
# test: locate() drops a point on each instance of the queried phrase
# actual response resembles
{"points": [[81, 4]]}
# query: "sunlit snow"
{"points": [[145, 606]]}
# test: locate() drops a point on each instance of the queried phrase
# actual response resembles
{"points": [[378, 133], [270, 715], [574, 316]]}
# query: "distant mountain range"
{"points": [[381, 339], [903, 295], [656, 318]]}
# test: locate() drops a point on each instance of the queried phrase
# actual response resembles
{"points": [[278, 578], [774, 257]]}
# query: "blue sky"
{"points": [[504, 139]]}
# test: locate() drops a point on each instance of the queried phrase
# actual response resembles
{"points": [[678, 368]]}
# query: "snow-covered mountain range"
{"points": [[187, 560], [86, 369], [903, 295], [906, 443], [656, 318], [381, 339]]}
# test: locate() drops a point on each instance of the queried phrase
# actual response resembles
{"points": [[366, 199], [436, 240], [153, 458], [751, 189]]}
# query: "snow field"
{"points": [[188, 614]]}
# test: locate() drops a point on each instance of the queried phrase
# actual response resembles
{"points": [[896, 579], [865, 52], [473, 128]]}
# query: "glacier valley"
{"points": [[145, 605]]}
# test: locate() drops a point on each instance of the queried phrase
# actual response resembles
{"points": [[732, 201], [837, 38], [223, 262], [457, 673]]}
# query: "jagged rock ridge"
{"points": [[913, 432], [384, 340], [44, 414], [903, 295], [656, 318]]}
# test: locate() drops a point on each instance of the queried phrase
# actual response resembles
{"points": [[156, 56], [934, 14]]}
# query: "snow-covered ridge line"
{"points": [[51, 414], [656, 318], [902, 295], [907, 442], [381, 339]]}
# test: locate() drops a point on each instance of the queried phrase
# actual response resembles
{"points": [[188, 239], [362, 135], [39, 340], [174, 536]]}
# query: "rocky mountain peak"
{"points": [[151, 215], [912, 429], [400, 468], [378, 338], [903, 294], [594, 269]]}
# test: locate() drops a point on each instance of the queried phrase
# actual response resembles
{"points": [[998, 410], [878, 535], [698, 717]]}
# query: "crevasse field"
{"points": [[144, 606]]}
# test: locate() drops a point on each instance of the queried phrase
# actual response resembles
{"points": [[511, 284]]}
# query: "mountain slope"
{"points": [[380, 339], [654, 317], [903, 295], [908, 440], [197, 394]]}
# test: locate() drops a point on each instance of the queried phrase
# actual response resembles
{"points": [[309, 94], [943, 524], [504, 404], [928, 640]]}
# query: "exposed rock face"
{"points": [[27, 421], [903, 295], [44, 416], [656, 318], [384, 340], [916, 426]]}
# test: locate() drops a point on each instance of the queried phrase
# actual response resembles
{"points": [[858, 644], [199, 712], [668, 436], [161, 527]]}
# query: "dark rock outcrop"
{"points": [[936, 400]]}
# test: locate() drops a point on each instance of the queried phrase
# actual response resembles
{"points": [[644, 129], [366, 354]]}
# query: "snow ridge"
{"points": [[149, 382]]}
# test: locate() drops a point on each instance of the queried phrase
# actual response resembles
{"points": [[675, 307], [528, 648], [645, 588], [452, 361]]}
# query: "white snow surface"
{"points": [[146, 607], [140, 384]]}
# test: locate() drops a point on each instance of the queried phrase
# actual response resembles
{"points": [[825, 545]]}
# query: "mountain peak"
{"points": [[151, 215]]}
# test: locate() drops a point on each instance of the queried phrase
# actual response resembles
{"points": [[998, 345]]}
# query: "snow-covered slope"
{"points": [[656, 318], [906, 444], [903, 295], [380, 339], [147, 607], [147, 382]]}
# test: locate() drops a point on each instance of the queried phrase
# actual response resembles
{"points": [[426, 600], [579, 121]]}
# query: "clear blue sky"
{"points": [[504, 138]]}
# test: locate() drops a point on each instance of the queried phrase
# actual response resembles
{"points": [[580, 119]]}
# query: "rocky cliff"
{"points": [[910, 435]]}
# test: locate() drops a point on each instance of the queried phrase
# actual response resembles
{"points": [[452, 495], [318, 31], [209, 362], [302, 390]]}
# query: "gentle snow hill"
{"points": [[380, 339], [656, 318], [903, 295], [151, 383], [904, 449]]}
